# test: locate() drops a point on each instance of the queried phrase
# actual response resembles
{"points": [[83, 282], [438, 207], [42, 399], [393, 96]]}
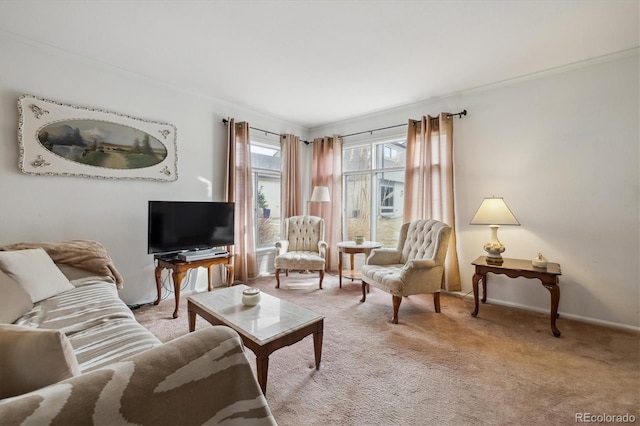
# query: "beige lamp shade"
{"points": [[494, 211], [320, 194]]}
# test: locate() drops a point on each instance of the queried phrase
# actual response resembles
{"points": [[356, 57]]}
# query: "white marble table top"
{"points": [[353, 244], [268, 320]]}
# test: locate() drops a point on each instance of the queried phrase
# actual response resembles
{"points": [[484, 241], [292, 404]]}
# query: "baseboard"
{"points": [[580, 318]]}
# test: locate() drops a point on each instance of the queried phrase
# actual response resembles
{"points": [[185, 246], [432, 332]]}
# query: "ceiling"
{"points": [[316, 62]]}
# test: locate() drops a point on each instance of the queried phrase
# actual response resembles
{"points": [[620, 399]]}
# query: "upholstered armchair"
{"points": [[416, 266], [303, 248]]}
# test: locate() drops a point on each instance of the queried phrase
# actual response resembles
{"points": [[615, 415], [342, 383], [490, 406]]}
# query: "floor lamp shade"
{"points": [[494, 212], [320, 194]]}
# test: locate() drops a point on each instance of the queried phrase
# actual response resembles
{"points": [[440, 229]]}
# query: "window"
{"points": [[374, 190], [265, 164]]}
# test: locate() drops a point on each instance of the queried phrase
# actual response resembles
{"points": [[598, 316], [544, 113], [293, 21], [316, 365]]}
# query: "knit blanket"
{"points": [[83, 254]]}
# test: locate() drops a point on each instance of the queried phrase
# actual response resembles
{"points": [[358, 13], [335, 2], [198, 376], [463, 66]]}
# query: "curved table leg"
{"points": [[158, 283], [554, 290], [229, 274], [210, 278], [476, 278], [177, 281], [484, 288]]}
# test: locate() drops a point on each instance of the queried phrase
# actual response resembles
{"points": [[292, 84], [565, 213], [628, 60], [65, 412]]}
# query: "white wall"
{"points": [[114, 212], [562, 149]]}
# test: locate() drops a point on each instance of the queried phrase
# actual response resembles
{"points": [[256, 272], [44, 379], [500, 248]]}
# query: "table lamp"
{"points": [[320, 194], [494, 212]]}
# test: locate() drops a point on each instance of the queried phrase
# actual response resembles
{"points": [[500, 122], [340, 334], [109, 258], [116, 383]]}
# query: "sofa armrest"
{"points": [[282, 247], [322, 248], [419, 264], [202, 377], [384, 256]]}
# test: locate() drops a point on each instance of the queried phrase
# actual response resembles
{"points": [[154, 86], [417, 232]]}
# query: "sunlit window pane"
{"points": [[356, 159], [391, 155], [390, 196], [265, 163], [268, 200], [358, 205]]}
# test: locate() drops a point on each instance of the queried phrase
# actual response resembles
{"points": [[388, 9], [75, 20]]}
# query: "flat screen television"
{"points": [[177, 226]]}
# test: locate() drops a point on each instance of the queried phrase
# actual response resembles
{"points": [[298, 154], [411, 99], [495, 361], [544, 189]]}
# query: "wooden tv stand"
{"points": [[180, 268]]}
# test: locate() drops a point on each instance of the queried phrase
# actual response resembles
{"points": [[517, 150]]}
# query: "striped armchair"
{"points": [[303, 248]]}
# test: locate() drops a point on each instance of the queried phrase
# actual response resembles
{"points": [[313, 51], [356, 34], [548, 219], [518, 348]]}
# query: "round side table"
{"points": [[352, 249]]}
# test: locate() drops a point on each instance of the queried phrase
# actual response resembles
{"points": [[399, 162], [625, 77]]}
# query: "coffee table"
{"points": [[270, 325]]}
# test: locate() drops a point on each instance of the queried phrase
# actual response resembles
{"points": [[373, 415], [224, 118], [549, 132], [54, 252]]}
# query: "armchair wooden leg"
{"points": [[396, 307], [365, 287], [277, 278], [436, 301], [321, 277]]}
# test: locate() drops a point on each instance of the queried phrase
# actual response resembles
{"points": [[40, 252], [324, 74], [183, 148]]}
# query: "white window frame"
{"points": [[373, 172], [258, 141]]}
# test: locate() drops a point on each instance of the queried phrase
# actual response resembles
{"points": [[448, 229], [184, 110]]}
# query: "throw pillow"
{"points": [[34, 270], [31, 358], [15, 300]]}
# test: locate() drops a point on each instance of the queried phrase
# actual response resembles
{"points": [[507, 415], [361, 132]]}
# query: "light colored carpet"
{"points": [[502, 368]]}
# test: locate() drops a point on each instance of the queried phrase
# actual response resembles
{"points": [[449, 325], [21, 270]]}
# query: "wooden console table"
{"points": [[519, 268], [180, 268]]}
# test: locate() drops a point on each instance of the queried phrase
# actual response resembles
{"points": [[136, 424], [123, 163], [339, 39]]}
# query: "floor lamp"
{"points": [[320, 194]]}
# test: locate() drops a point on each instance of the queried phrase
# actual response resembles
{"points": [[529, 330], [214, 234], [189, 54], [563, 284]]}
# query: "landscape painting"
{"points": [[60, 139], [102, 144]]}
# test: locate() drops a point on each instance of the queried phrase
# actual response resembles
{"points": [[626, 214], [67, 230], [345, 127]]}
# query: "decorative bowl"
{"points": [[251, 296], [539, 262]]}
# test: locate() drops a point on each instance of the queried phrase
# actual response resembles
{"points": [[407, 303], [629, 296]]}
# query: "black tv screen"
{"points": [[176, 226]]}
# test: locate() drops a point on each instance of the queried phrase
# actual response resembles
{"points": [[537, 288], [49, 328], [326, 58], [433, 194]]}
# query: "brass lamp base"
{"points": [[494, 260]]}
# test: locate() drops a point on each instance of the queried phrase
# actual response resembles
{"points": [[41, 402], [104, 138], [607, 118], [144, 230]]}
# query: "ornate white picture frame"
{"points": [[67, 140]]}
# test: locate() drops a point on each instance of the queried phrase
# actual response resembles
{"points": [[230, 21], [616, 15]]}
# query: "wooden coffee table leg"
{"points": [[262, 369], [317, 343], [192, 319]]}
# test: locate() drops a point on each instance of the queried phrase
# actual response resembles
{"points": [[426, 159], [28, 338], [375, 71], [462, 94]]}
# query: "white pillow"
{"points": [[15, 301], [31, 358], [34, 270]]}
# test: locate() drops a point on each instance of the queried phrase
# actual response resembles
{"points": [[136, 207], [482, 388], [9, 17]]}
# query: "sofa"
{"points": [[71, 352]]}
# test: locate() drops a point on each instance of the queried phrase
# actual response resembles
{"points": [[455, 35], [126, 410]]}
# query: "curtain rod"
{"points": [[458, 114], [266, 132]]}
